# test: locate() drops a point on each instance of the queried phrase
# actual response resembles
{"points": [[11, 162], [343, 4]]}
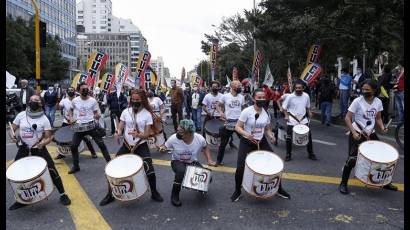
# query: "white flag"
{"points": [[228, 80], [289, 75], [10, 79], [268, 77]]}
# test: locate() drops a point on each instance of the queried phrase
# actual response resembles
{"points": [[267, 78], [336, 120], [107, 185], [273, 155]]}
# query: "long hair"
{"points": [[147, 106]]}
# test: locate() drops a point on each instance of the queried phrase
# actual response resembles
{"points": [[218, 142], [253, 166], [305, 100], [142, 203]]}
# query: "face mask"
{"points": [[214, 90], [84, 92], [298, 92], [179, 136], [50, 89], [34, 106], [150, 94], [367, 94], [195, 88], [238, 90], [70, 94], [260, 103], [136, 105]]}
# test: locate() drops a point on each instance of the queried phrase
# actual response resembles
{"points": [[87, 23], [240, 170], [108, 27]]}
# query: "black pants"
{"points": [[385, 112], [289, 132], [86, 140], [79, 136], [23, 151], [188, 111], [179, 167], [245, 147], [176, 110], [225, 136], [352, 154], [117, 115], [275, 109]]}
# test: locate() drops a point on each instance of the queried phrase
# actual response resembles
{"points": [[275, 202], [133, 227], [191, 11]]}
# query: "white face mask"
{"points": [[50, 89]]}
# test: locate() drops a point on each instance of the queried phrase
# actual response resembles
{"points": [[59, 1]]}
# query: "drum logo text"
{"points": [[199, 178], [262, 188], [379, 175], [32, 191], [302, 139], [122, 188]]}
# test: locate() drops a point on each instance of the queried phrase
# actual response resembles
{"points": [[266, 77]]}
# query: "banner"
{"points": [[10, 79], [310, 73], [255, 68], [107, 81], [289, 75], [235, 75], [213, 56], [95, 64], [183, 75], [121, 75], [78, 78], [142, 64], [314, 54], [268, 77], [228, 80], [132, 81], [150, 78]]}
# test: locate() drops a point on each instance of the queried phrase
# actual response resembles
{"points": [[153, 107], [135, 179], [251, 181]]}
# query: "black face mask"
{"points": [[367, 94], [70, 94], [215, 91], [84, 92], [238, 90], [260, 103], [34, 106], [136, 105], [150, 94], [298, 92], [179, 136]]}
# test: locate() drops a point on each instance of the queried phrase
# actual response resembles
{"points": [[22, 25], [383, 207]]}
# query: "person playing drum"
{"points": [[253, 123], [137, 120], [366, 111], [158, 108], [230, 108], [297, 111], [210, 102], [185, 146], [66, 106], [35, 134], [85, 113]]}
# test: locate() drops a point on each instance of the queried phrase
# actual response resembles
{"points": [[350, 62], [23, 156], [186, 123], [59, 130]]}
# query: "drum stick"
{"points": [[13, 133], [388, 123]]}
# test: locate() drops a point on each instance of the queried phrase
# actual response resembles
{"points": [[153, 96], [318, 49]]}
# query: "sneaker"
{"points": [[288, 157], [343, 189], [17, 205], [107, 199], [219, 163], [110, 135], [94, 156], [156, 196], [60, 156], [74, 169], [390, 187], [312, 156], [236, 195], [282, 193], [65, 200]]}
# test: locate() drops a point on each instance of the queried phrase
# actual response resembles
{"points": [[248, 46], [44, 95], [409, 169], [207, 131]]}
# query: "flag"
{"points": [[95, 64], [107, 81], [227, 79], [289, 75], [183, 74], [310, 73], [235, 75], [10, 79], [213, 56], [150, 78], [121, 75], [268, 77], [314, 54], [142, 64], [78, 78], [256, 65]]}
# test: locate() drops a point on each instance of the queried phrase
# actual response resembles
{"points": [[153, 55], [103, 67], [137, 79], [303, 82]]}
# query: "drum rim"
{"points": [[261, 173], [34, 177], [398, 155], [301, 125], [105, 169], [208, 132]]}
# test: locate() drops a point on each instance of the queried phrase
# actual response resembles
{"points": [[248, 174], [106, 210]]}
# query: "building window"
{"points": [[93, 22], [94, 11], [80, 17], [103, 22], [80, 11], [103, 11], [94, 27], [103, 27]]}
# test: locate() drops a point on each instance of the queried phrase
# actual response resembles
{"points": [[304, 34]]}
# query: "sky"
{"points": [[174, 28]]}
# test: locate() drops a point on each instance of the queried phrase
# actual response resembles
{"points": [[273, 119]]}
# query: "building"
{"points": [[116, 45], [59, 16]]}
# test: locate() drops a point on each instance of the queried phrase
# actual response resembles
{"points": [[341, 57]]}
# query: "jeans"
{"points": [[326, 107], [344, 101], [50, 112], [176, 110], [197, 117], [399, 99]]}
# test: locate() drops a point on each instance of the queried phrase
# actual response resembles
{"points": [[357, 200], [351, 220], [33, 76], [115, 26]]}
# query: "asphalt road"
{"points": [[313, 185]]}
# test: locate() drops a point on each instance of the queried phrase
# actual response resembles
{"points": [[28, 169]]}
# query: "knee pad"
{"points": [[148, 167], [351, 161]]}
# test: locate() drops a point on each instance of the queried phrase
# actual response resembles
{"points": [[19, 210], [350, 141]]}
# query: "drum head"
{"points": [[26, 168], [378, 151], [264, 162], [64, 135], [301, 129], [123, 166], [213, 125]]}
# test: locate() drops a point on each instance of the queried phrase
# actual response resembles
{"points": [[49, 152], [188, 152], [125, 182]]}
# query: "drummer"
{"points": [[297, 111], [66, 106], [137, 120], [35, 134], [210, 102], [158, 108], [230, 108], [85, 111], [366, 111], [185, 146], [253, 123]]}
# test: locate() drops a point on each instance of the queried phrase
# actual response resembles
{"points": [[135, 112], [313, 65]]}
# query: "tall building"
{"points": [[116, 45], [158, 66], [59, 16]]}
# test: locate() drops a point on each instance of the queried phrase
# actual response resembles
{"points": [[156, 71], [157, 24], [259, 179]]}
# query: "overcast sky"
{"points": [[174, 28]]}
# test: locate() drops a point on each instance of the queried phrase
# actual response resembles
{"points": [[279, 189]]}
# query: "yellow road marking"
{"points": [[83, 212]]}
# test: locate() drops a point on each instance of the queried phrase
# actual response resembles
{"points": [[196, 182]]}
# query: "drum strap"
{"points": [[362, 131], [294, 117]]}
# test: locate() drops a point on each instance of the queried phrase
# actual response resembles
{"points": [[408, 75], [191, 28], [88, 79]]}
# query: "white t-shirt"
{"points": [[364, 112], [183, 152], [256, 129], [84, 109], [233, 105], [24, 97], [155, 103], [211, 101], [296, 105], [141, 119], [27, 133], [66, 105], [195, 100]]}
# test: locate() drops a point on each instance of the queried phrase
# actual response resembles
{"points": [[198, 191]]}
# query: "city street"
{"points": [[313, 185]]}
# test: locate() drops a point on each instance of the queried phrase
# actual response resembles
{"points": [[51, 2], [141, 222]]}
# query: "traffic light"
{"points": [[43, 34]]}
